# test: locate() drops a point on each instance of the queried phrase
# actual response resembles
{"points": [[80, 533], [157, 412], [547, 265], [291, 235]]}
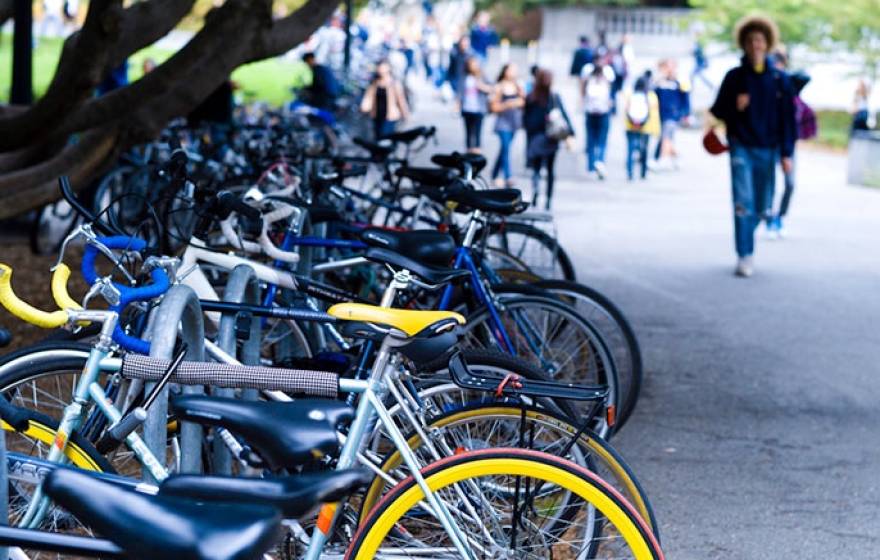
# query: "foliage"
{"points": [[853, 25], [520, 5]]}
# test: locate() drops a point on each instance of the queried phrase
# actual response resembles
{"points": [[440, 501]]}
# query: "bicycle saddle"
{"points": [[430, 247], [427, 176], [150, 527], [431, 275], [412, 322], [295, 496], [409, 136], [378, 150], [459, 161], [495, 201], [285, 434]]}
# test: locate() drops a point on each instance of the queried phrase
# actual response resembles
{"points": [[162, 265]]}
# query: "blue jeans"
{"points": [[636, 143], [753, 174], [381, 129], [597, 138], [502, 163]]}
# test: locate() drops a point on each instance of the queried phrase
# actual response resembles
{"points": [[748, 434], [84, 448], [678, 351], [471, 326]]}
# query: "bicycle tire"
{"points": [[599, 449], [546, 241], [623, 344], [517, 463], [594, 353]]}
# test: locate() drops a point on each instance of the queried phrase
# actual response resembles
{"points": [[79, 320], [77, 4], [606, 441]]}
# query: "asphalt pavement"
{"points": [[758, 431]]}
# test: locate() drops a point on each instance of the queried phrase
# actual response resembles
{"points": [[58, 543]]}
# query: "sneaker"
{"points": [[772, 232], [744, 267], [600, 169]]}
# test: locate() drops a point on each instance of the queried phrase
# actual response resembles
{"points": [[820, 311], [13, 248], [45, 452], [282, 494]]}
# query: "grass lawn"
{"points": [[267, 80], [833, 128]]}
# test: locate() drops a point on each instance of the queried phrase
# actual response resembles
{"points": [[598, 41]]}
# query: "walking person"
{"points": [[806, 127], [641, 120], [507, 103], [675, 106], [861, 109], [384, 101], [473, 98], [546, 123], [756, 103], [596, 87], [458, 58], [583, 55]]}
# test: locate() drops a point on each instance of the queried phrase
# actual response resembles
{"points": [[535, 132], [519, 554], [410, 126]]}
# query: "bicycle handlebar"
{"points": [[159, 285], [29, 313]]}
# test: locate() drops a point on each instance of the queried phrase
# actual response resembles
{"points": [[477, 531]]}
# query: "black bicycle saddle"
{"points": [[460, 162], [430, 274], [150, 527], [379, 151], [284, 434], [495, 201], [427, 246], [411, 135], [427, 176], [293, 495]]}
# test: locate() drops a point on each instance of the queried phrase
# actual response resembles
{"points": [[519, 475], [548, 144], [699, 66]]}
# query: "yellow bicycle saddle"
{"points": [[410, 321]]}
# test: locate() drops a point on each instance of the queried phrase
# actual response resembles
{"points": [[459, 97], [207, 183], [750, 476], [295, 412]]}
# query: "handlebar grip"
{"points": [[111, 242], [159, 286], [59, 289], [24, 311]]}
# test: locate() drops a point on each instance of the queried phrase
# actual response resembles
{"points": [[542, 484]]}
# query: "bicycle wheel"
{"points": [[532, 246], [617, 332], [505, 501], [549, 335], [606, 318], [506, 424], [23, 480], [42, 378]]}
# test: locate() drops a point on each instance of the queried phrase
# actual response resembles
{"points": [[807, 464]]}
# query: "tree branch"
{"points": [[292, 30], [38, 185]]}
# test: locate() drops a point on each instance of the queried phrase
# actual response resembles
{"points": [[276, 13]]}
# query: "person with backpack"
{"points": [[641, 120], [756, 104], [596, 88], [583, 55], [546, 123], [806, 125]]}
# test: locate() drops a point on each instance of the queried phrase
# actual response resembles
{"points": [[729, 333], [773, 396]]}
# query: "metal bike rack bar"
{"points": [[242, 286], [180, 306]]}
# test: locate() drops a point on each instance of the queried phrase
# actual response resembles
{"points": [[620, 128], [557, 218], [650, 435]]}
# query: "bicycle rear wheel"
{"points": [[517, 496]]}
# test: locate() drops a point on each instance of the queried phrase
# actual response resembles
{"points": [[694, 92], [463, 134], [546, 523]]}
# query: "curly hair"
{"points": [[761, 24]]}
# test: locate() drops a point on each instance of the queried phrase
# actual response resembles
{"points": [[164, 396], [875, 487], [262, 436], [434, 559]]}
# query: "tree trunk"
{"points": [[35, 139]]}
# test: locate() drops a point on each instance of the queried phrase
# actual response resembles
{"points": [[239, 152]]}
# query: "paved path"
{"points": [[758, 432]]}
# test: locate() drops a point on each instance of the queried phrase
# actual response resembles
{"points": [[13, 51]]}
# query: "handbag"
{"points": [[556, 127]]}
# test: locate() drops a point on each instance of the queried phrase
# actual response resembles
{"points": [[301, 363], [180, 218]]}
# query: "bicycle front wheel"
{"points": [[505, 502]]}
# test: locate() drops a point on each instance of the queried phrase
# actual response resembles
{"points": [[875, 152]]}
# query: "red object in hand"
{"points": [[713, 144]]}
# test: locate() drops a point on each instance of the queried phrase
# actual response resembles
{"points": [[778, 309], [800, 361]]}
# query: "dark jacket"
{"points": [[482, 38], [455, 72], [324, 89], [674, 101], [768, 121], [535, 115], [582, 57]]}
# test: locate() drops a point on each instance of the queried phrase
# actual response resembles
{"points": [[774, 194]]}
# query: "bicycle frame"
{"points": [[370, 409]]}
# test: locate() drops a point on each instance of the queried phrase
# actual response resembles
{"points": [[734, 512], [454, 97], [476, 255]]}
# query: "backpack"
{"points": [[638, 110], [598, 95], [805, 120]]}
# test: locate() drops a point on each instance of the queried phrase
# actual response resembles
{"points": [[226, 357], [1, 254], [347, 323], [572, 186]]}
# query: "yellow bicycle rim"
{"points": [[506, 466], [394, 460], [46, 435]]}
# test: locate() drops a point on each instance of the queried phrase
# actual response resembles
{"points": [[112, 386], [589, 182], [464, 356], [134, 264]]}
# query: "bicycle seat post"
{"points": [[471, 232], [401, 281]]}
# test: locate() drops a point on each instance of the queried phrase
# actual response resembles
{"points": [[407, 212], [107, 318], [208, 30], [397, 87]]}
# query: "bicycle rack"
{"points": [[180, 306], [242, 286]]}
